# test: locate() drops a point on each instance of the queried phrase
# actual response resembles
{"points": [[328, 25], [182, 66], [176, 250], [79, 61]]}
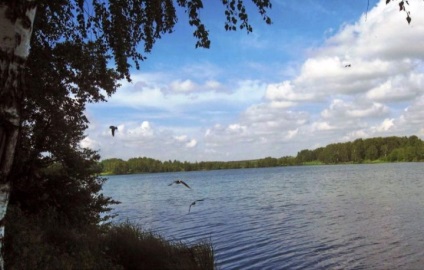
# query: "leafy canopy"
{"points": [[79, 52], [117, 29]]}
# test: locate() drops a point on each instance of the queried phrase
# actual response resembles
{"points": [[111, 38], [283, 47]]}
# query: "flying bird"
{"points": [[194, 203], [180, 182], [348, 65], [113, 128]]}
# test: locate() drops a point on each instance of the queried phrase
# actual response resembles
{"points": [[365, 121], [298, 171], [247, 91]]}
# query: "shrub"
{"points": [[47, 241]]}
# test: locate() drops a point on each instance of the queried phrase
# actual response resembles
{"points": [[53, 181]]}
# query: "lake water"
{"points": [[310, 217]]}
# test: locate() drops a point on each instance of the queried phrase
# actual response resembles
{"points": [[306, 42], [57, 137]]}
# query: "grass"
{"points": [[106, 173], [376, 161], [312, 163], [45, 242], [134, 248], [317, 162]]}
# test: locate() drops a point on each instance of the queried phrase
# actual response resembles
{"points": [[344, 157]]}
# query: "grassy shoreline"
{"points": [[134, 248], [47, 241]]}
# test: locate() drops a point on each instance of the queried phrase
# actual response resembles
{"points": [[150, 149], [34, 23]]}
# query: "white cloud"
{"points": [[291, 134], [282, 104], [159, 92], [181, 138], [261, 114], [379, 51], [214, 85], [144, 129], [192, 143], [285, 92], [89, 143], [183, 86], [384, 33], [340, 109], [236, 128], [320, 126], [188, 86], [386, 125], [324, 75], [186, 141], [411, 120], [398, 88]]}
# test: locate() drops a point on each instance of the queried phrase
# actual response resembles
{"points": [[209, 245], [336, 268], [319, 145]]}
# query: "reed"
{"points": [[131, 247]]}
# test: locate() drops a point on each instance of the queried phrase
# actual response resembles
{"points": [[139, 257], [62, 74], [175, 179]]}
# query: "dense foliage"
{"points": [[390, 149], [55, 184], [149, 165]]}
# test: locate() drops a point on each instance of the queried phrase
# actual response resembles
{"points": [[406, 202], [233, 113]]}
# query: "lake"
{"points": [[306, 217]]}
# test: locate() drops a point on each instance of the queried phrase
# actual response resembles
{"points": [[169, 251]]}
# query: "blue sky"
{"points": [[273, 92]]}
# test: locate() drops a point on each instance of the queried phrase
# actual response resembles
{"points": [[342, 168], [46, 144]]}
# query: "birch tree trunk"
{"points": [[16, 21]]}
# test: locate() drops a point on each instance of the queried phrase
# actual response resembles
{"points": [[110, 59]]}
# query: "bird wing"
{"points": [[185, 184], [113, 128]]}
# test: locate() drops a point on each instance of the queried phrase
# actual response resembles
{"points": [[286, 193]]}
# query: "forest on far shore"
{"points": [[387, 149]]}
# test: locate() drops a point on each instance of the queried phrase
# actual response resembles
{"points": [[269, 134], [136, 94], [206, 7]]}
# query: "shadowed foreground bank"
{"points": [[48, 242]]}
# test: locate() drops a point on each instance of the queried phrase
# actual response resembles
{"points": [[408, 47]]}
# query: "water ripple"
{"points": [[321, 217]]}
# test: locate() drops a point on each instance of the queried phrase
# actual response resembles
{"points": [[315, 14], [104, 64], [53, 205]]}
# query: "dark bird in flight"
{"points": [[180, 182], [348, 65], [113, 128], [194, 203]]}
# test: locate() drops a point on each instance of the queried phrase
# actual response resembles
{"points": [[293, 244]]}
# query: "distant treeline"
{"points": [[149, 165], [389, 149]]}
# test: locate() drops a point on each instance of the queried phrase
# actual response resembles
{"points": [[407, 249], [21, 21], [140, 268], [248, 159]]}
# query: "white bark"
{"points": [[9, 31], [15, 34]]}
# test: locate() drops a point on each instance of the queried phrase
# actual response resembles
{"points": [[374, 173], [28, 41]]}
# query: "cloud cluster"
{"points": [[365, 80], [355, 84]]}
